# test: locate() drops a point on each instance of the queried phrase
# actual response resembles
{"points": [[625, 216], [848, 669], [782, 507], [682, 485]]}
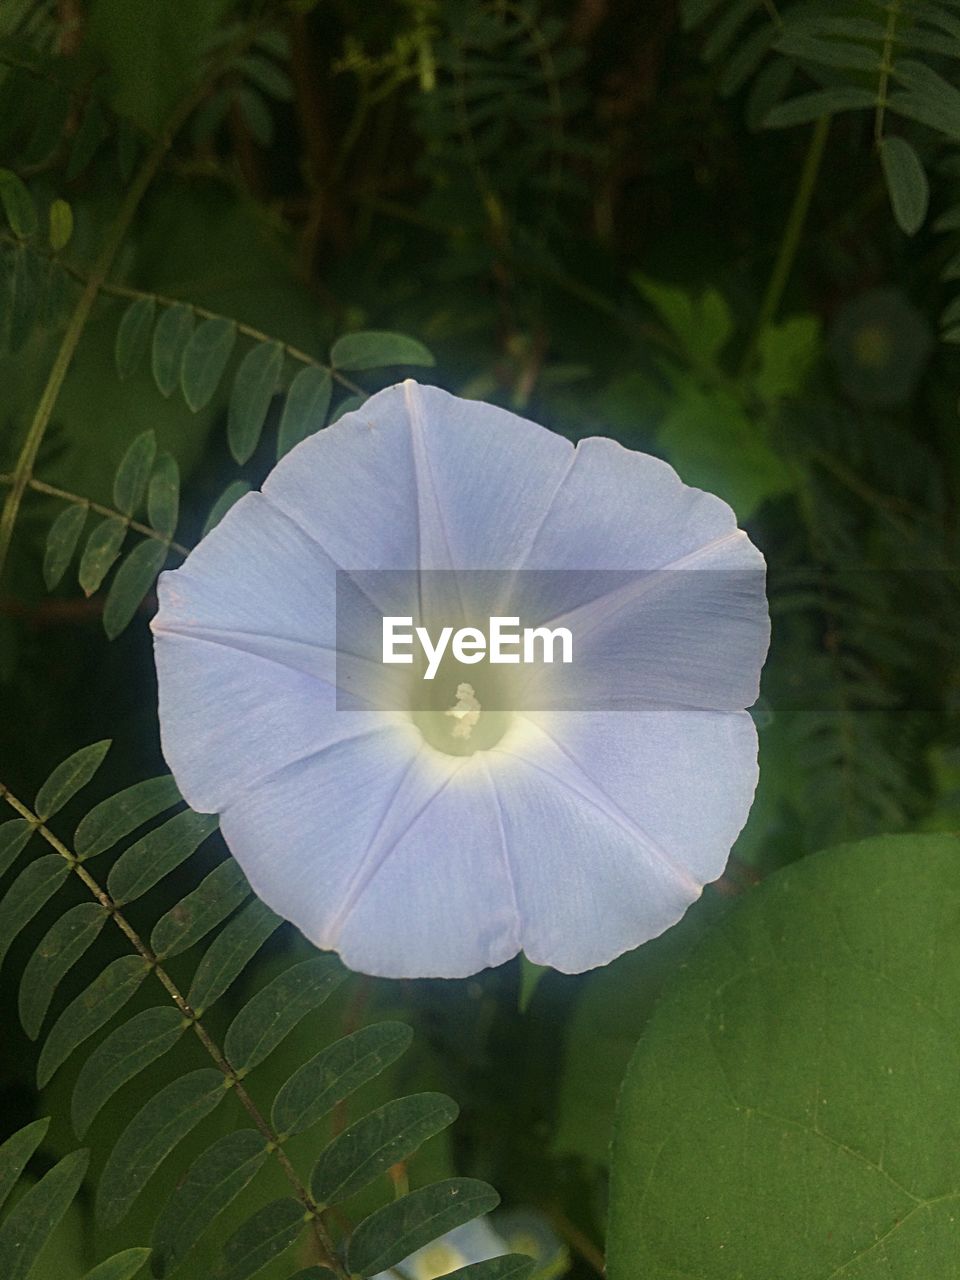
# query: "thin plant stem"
{"points": [[886, 67]]}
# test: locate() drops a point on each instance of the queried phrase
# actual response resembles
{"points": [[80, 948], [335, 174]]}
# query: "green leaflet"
{"points": [[229, 953], [60, 224], [381, 1139], [907, 184], [230, 495], [511, 1266], [123, 1054], [217, 895], [151, 1135], [399, 1229], [374, 349], [807, 107], [154, 855], [275, 1010], [253, 388], [204, 360], [133, 580], [212, 1182], [14, 836], [32, 1220], [89, 1011], [305, 408], [18, 205], [122, 1266], [170, 337], [69, 777], [108, 822], [61, 544], [15, 1153], [133, 336], [163, 496], [101, 550], [34, 886], [335, 1072], [130, 482], [262, 1238], [64, 943]]}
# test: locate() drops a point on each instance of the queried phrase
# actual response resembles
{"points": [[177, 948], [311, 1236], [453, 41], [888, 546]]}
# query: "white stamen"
{"points": [[466, 711]]}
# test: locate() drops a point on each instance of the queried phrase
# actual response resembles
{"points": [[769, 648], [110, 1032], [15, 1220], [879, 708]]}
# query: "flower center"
{"points": [[457, 723]]}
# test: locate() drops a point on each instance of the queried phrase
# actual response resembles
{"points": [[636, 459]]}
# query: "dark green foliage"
{"points": [[305, 410], [273, 1012], [253, 387], [156, 854], [62, 543], [31, 1221], [400, 1228], [112, 819], [61, 947], [68, 778], [270, 1232], [200, 911], [230, 953]]}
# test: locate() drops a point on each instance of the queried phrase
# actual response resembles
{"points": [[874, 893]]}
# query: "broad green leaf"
{"points": [[69, 777], [35, 885], [163, 496], [60, 224], [170, 337], [339, 1069], [133, 337], [89, 1011], [381, 1139], [130, 482], [102, 548], [113, 818], [123, 1054], [131, 583], [509, 1266], [18, 205], [375, 349], [808, 107], [230, 952], [204, 360], [64, 943], [800, 1070], [14, 836], [62, 543], [15, 1153], [786, 353], [150, 1137], [266, 1235], [399, 1229], [907, 184], [276, 1009], [253, 387], [33, 1219], [305, 408], [230, 495], [212, 1182], [122, 1266], [148, 860], [214, 898]]}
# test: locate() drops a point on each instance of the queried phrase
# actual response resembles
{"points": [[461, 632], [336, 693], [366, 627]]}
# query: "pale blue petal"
{"points": [[472, 1242]]}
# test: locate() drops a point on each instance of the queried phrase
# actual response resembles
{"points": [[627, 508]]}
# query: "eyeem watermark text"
{"points": [[504, 643]]}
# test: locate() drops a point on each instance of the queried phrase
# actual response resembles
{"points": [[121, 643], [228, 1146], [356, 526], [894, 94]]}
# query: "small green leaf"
{"points": [[336, 1071], [18, 205], [64, 943], [69, 777], [122, 1055], [35, 885], [147, 861], [375, 349], [15, 1153], [233, 493], [89, 1011], [907, 184], [62, 543], [217, 895], [268, 76], [250, 398], [151, 1135], [133, 580], [305, 409], [204, 360], [130, 482], [133, 337], [266, 1235], [212, 1182], [103, 547], [400, 1228], [509, 1266], [13, 840], [380, 1140], [229, 953], [113, 818], [122, 1266], [33, 1219], [255, 113], [808, 107], [170, 338], [61, 225], [87, 140], [163, 496], [275, 1010]]}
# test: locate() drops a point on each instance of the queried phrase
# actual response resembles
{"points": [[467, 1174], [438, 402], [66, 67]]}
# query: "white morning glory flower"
{"points": [[571, 811], [473, 1242]]}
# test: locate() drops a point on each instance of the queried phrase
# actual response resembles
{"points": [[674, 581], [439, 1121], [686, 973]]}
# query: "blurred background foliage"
{"points": [[726, 232]]}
